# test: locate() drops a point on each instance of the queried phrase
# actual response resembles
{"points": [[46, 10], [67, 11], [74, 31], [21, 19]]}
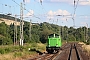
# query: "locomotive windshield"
{"points": [[54, 35]]}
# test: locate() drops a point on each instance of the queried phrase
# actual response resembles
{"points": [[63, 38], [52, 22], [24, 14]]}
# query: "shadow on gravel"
{"points": [[39, 52]]}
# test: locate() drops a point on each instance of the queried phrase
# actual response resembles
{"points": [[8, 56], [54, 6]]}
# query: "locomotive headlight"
{"points": [[49, 45]]}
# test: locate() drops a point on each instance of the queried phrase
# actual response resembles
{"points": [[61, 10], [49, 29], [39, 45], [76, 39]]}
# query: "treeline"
{"points": [[8, 17], [39, 33]]}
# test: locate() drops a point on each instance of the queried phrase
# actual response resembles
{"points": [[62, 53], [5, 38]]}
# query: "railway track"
{"points": [[70, 51], [74, 55], [46, 56]]}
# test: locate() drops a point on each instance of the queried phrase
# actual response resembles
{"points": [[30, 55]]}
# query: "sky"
{"points": [[61, 12]]}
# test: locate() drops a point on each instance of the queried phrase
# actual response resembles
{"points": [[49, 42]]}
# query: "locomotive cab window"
{"points": [[53, 36], [56, 36]]}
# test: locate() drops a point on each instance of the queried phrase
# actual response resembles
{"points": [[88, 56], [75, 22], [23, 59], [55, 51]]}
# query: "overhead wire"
{"points": [[41, 5], [37, 2], [9, 11], [44, 14], [15, 2], [26, 10]]}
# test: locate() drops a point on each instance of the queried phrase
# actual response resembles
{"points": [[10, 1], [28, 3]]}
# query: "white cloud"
{"points": [[58, 12], [64, 19], [81, 2], [84, 24], [85, 3], [53, 14], [30, 13], [50, 13], [87, 17], [61, 0], [39, 0]]}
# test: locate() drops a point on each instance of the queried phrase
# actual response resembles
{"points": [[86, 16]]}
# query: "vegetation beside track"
{"points": [[11, 52], [85, 47]]}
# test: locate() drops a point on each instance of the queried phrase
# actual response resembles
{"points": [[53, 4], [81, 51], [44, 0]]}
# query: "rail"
{"points": [[73, 55]]}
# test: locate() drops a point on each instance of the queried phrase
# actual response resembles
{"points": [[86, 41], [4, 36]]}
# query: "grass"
{"points": [[11, 52], [85, 47], [6, 56]]}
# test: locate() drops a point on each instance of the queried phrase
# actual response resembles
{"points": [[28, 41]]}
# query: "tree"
{"points": [[44, 35], [4, 32]]}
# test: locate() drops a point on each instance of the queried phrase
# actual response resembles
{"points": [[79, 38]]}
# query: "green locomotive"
{"points": [[53, 43]]}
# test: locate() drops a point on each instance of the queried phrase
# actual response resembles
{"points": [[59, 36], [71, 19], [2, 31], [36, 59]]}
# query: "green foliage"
{"points": [[1, 40], [2, 51], [17, 54], [45, 34], [7, 41], [5, 50], [35, 38], [3, 29], [34, 45], [39, 32], [5, 36]]}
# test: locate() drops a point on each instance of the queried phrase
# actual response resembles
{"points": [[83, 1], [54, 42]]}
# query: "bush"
{"points": [[2, 51], [7, 50], [17, 54], [34, 45]]}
